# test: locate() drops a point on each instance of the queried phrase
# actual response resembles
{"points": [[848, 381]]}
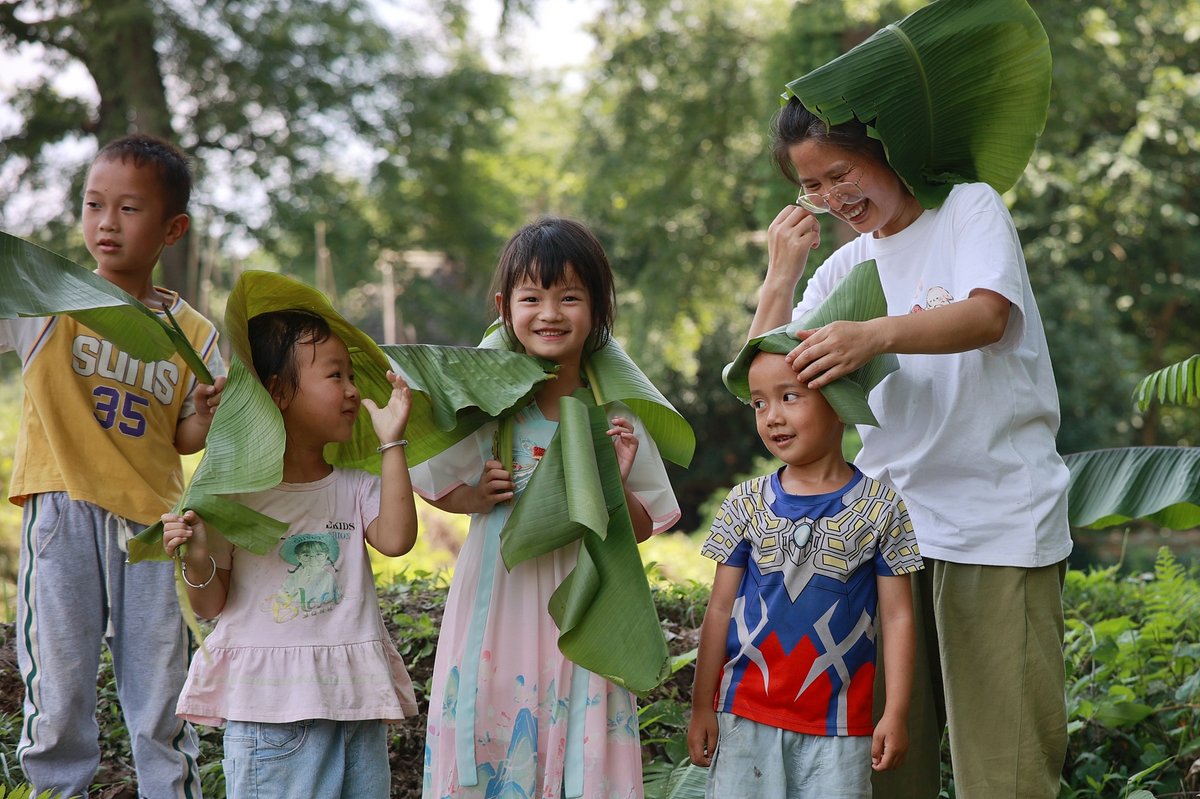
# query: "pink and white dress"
{"points": [[301, 636], [510, 717]]}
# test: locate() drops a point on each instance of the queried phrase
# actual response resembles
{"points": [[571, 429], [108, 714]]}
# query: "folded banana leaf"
{"points": [[455, 391], [605, 615], [614, 377], [857, 298]]}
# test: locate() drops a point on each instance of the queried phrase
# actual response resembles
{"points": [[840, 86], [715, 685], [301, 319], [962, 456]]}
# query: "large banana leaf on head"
{"points": [[455, 390], [37, 282], [957, 92], [857, 298]]}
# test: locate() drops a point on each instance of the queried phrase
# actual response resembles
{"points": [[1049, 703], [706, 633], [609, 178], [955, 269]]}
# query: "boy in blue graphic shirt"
{"points": [[808, 558]]}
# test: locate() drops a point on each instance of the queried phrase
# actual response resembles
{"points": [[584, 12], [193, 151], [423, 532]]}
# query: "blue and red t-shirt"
{"points": [[801, 644]]}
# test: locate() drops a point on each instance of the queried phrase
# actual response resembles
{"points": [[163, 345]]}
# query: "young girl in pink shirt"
{"points": [[299, 667]]}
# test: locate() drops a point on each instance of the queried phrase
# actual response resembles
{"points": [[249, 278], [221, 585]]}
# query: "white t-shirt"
{"points": [[967, 439]]}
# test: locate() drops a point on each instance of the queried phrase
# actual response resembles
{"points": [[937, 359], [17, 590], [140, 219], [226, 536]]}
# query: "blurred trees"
{"points": [[1110, 208], [415, 151], [295, 113]]}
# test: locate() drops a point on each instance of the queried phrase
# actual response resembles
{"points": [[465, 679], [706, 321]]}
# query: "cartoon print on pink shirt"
{"points": [[310, 585]]}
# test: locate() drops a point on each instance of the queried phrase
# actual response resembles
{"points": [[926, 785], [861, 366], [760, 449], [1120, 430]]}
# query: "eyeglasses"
{"points": [[843, 194]]}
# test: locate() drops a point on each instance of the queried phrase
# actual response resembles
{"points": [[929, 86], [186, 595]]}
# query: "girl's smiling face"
{"points": [[552, 322], [886, 207]]}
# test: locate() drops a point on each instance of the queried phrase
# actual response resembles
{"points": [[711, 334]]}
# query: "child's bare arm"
{"points": [[495, 486], [207, 584], [702, 729], [394, 531], [191, 433], [889, 744]]}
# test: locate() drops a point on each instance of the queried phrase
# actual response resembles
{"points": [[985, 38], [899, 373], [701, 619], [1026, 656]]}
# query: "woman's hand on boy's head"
{"points": [[186, 529], [390, 420], [626, 444], [831, 352]]}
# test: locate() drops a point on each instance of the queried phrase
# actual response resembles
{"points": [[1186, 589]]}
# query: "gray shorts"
{"points": [[758, 761]]}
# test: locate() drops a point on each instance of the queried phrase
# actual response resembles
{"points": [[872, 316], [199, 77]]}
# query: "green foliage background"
{"points": [[406, 145]]}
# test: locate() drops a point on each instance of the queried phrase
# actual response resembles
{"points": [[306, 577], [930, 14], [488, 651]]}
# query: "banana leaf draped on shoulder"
{"points": [[37, 282], [857, 298], [603, 609], [455, 391], [614, 377], [957, 91]]}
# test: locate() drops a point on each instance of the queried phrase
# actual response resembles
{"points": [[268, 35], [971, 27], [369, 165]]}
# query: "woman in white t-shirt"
{"points": [[966, 436]]}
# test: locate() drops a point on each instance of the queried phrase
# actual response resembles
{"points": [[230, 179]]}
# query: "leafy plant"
{"points": [[1160, 484]]}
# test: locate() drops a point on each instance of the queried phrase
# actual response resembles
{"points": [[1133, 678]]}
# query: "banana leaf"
{"points": [[1177, 384], [605, 615], [614, 377], [37, 282], [243, 453], [858, 297], [456, 390], [957, 92], [1115, 486], [682, 780]]}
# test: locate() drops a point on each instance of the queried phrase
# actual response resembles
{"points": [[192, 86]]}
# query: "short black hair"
{"points": [[541, 252], [794, 124], [273, 339], [169, 163]]}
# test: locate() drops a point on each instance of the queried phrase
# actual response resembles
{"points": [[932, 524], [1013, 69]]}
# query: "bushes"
{"points": [[1133, 674], [1133, 685]]}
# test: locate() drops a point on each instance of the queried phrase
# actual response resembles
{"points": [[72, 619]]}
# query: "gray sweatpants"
{"points": [[74, 590]]}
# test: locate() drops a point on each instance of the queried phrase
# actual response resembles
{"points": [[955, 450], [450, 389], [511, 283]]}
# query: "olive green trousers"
{"points": [[989, 670]]}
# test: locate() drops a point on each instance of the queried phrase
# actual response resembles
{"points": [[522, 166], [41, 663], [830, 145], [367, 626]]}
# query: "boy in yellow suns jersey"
{"points": [[97, 460]]}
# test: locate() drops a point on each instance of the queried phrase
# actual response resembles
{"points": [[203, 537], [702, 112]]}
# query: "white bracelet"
{"points": [[183, 571], [403, 442]]}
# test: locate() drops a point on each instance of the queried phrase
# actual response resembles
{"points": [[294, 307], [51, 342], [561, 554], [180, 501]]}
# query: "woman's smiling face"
{"points": [[886, 207]]}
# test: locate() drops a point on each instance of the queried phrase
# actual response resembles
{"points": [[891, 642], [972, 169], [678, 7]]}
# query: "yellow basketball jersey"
{"points": [[100, 424]]}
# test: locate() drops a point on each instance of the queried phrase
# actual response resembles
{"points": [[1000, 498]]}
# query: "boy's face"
{"points": [[124, 220], [795, 422]]}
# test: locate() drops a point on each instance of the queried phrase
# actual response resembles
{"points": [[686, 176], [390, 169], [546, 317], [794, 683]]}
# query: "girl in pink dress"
{"points": [[510, 717], [300, 668]]}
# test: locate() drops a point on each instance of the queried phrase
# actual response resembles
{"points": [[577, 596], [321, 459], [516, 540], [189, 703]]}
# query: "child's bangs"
{"points": [[545, 270]]}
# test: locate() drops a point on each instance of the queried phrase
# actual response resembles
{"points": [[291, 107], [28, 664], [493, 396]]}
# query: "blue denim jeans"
{"points": [[318, 759], [758, 761]]}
